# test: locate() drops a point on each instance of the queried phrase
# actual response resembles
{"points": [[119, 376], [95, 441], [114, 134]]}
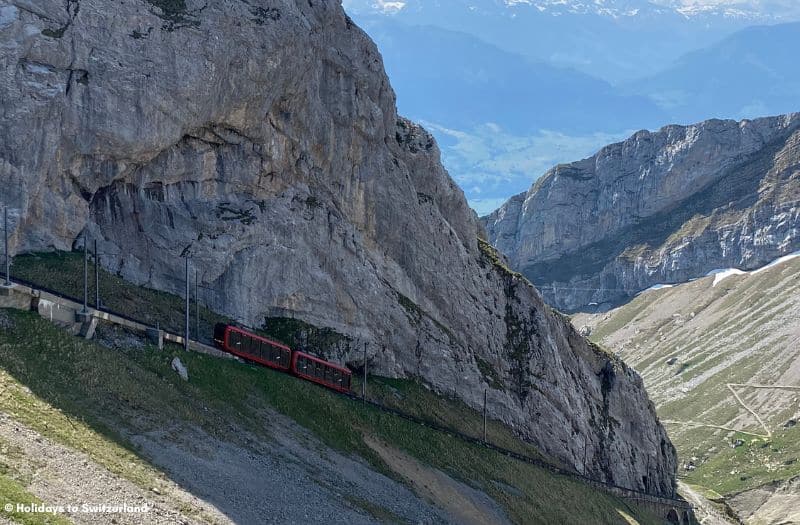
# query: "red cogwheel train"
{"points": [[265, 351]]}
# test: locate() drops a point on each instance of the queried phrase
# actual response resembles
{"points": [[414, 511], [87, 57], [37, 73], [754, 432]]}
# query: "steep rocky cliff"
{"points": [[261, 139], [657, 208]]}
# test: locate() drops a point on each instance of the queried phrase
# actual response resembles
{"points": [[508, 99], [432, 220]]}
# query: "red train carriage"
{"points": [[327, 374], [253, 347], [275, 355]]}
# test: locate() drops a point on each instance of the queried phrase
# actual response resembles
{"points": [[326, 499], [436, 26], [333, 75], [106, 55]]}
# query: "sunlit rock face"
{"points": [[658, 208], [261, 139]]}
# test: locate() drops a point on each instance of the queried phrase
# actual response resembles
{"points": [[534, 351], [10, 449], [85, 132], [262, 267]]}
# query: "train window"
{"points": [[235, 340]]}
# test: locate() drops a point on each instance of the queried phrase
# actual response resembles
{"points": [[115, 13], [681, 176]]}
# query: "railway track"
{"points": [[611, 488]]}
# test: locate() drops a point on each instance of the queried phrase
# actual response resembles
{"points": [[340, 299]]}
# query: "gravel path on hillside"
{"points": [[294, 479], [468, 505], [62, 476], [703, 509]]}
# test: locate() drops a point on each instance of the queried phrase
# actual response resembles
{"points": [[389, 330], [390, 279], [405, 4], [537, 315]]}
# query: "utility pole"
{"points": [[96, 278], [364, 384], [186, 326], [85, 276], [8, 258], [484, 414], [585, 442], [196, 306]]}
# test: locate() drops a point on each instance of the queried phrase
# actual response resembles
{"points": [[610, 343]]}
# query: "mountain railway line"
{"points": [[35, 292]]}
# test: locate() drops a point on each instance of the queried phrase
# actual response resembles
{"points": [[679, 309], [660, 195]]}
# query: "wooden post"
{"points": [[585, 442], [196, 306], [96, 277], [364, 384], [85, 275], [186, 326], [485, 393], [8, 255]]}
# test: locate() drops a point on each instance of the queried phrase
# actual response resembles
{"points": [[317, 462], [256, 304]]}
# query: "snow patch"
{"points": [[659, 287], [723, 273], [778, 261]]}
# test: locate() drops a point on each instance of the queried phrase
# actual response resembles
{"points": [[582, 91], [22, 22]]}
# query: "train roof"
{"points": [[259, 337], [324, 362]]}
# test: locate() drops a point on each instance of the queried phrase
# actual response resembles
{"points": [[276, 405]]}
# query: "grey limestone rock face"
{"points": [[261, 138], [658, 208]]}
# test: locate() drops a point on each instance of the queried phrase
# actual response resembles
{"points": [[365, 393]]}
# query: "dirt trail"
{"points": [[740, 401], [61, 476], [466, 505], [704, 510]]}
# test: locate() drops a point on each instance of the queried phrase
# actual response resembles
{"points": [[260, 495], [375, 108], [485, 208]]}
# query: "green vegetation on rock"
{"points": [[136, 388]]}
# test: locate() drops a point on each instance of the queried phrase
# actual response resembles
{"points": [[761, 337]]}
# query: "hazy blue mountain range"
{"points": [[486, 84], [749, 74], [612, 39], [511, 88]]}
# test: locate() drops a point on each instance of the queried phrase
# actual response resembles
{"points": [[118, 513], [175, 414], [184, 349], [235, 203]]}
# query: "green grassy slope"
{"points": [[117, 388], [137, 385], [744, 330]]}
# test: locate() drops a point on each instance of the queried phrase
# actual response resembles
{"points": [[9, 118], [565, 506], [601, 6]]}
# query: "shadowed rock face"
{"points": [[261, 138], [660, 207]]}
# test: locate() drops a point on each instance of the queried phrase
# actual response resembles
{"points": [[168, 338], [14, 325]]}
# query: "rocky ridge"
{"points": [[662, 207], [260, 138]]}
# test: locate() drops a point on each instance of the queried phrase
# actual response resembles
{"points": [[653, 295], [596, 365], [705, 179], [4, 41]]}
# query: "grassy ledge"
{"points": [[134, 390]]}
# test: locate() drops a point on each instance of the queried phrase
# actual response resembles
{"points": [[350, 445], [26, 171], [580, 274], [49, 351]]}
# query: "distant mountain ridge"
{"points": [[511, 90], [659, 207], [495, 85], [754, 10], [614, 41], [749, 73]]}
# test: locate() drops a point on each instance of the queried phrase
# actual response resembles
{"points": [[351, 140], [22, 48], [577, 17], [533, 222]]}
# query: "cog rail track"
{"points": [[611, 488]]}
